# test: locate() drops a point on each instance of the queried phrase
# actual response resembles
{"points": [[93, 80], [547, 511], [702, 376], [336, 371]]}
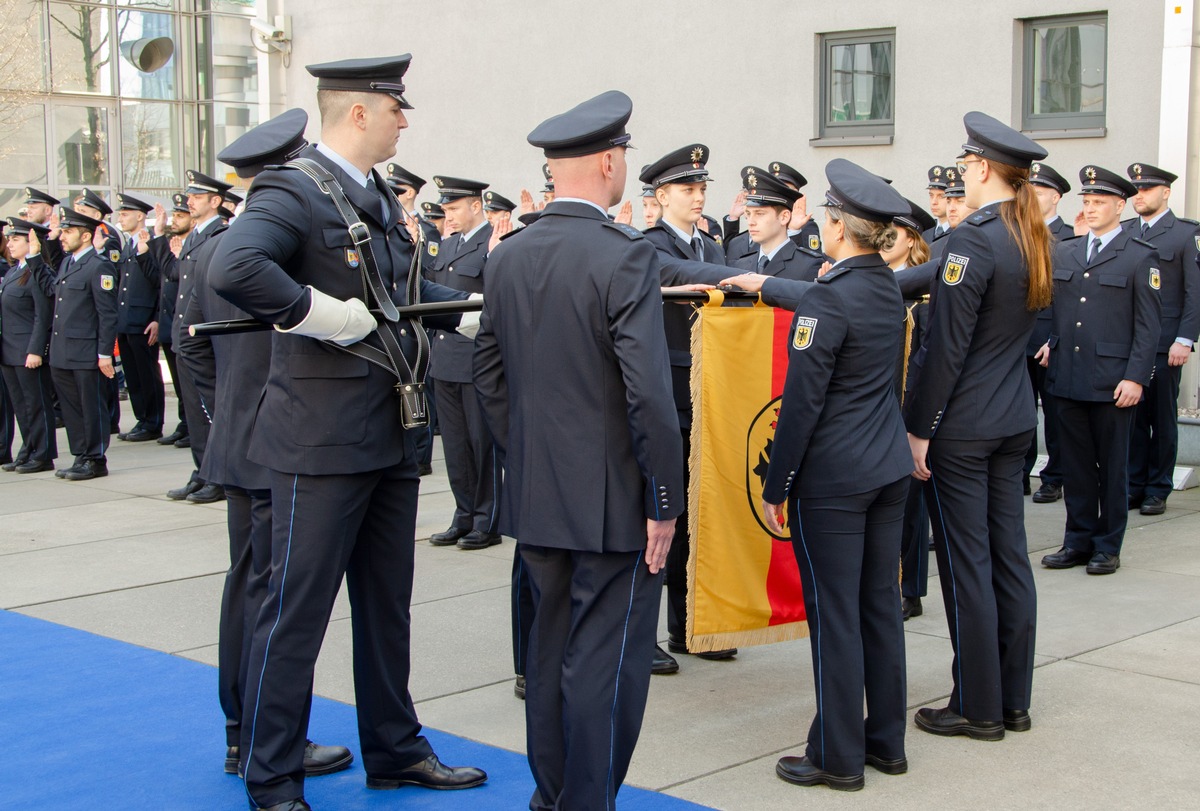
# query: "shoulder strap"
{"points": [[410, 376]]}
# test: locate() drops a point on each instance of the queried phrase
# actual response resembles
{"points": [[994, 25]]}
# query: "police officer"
{"points": [[937, 204], [497, 207], [108, 243], [1155, 441], [137, 306], [970, 419], [239, 364], [1101, 351], [1049, 186], [769, 209], [434, 214], [81, 343], [802, 229], [471, 463], [331, 427], [405, 184], [170, 232], [205, 196], [26, 312], [840, 464], [41, 209], [680, 181], [592, 500]]}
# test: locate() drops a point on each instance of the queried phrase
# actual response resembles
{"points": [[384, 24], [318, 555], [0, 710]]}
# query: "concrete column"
{"points": [[1179, 130]]}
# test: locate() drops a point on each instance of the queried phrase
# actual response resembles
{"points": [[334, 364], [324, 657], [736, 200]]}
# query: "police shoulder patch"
{"points": [[433, 248], [806, 328], [627, 230], [1197, 242], [814, 242], [114, 256], [106, 282], [352, 259], [956, 266], [1155, 279]]}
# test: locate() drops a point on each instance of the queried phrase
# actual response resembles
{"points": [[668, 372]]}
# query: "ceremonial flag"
{"points": [[743, 582]]}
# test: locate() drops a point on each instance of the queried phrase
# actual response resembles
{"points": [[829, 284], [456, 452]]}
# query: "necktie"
{"points": [[1145, 228], [698, 248], [763, 261], [1095, 250]]}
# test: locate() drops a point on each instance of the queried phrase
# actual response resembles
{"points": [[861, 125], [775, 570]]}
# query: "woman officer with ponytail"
{"points": [[970, 419]]}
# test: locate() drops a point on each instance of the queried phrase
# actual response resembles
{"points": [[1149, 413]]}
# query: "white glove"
{"points": [[468, 323], [331, 319]]}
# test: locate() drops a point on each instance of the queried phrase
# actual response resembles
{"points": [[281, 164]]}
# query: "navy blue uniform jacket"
{"points": [[85, 312], [839, 429], [971, 377], [26, 317], [323, 411], [459, 267], [1106, 318], [1176, 241], [572, 371]]}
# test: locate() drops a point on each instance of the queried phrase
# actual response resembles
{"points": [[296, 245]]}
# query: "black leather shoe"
{"points": [[449, 537], [430, 773], [142, 435], [290, 805], [319, 760], [208, 494], [677, 646], [1135, 501], [1153, 505], [798, 770], [519, 688], [180, 493], [183, 442], [1048, 494], [894, 766], [424, 470], [478, 540], [35, 467], [1025, 488], [61, 473], [911, 607], [663, 663], [172, 438], [944, 722], [9, 467], [91, 469], [1017, 720], [1066, 558], [1104, 563], [232, 756]]}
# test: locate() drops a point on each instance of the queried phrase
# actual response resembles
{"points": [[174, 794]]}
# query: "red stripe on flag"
{"points": [[783, 576]]}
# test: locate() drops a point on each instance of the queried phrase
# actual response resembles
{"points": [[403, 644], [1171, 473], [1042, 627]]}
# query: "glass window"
{"points": [[159, 4], [82, 136], [1065, 72], [858, 83], [227, 61], [221, 124], [21, 63], [80, 49], [147, 65], [150, 146], [23, 135]]}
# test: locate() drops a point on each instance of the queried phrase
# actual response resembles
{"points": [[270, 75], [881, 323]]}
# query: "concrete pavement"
{"points": [[1116, 693]]}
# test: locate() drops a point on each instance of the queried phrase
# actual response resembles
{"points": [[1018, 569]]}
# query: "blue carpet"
{"points": [[90, 722]]}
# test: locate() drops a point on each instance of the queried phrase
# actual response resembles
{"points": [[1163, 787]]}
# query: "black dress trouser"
{"points": [[1154, 442], [1052, 472], [143, 379], [587, 672], [29, 390], [248, 518], [1095, 443], [472, 464], [848, 552], [84, 409], [362, 526], [977, 509]]}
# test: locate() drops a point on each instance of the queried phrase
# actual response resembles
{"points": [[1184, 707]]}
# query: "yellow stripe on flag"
{"points": [[743, 583]]}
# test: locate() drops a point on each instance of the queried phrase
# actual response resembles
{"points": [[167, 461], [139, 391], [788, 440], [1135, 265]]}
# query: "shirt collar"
{"points": [[774, 251], [200, 227], [1154, 221], [82, 253], [1051, 219], [581, 200], [1103, 238], [346, 166], [467, 236], [685, 237]]}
